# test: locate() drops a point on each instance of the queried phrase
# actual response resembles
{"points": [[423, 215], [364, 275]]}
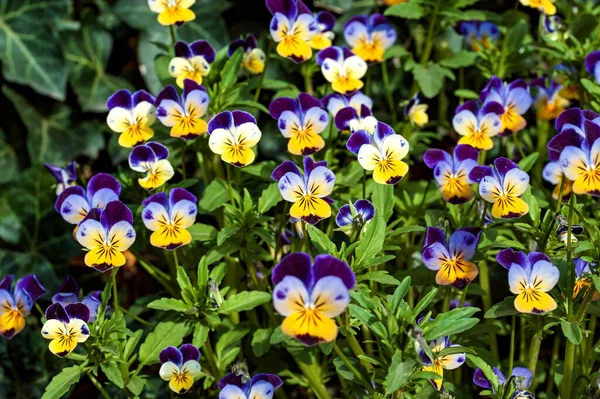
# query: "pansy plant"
{"points": [[349, 120], [335, 102], [260, 386], [311, 295], [441, 363], [352, 218], [254, 58], [151, 158], [575, 127], [66, 326], [513, 98], [582, 165], [416, 112], [65, 177], [522, 378], [192, 61], [479, 35], [292, 27], [369, 36], [131, 115], [451, 173], [592, 65], [549, 101], [232, 136], [68, 293], [324, 38], [16, 303], [477, 125], [180, 367], [583, 280], [172, 12], [342, 68]]}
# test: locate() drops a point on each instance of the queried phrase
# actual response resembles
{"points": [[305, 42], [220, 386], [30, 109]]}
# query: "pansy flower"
{"points": [[16, 304], [151, 158], [549, 102], [311, 295], [172, 12], [74, 203], [131, 115], [530, 277], [382, 152], [192, 61], [66, 327], [502, 185], [583, 279], [106, 236], [551, 24], [353, 217], [301, 121], [180, 367], [545, 6], [514, 98], [349, 120], [439, 364], [477, 125], [323, 39], [451, 259], [254, 58], [452, 172], [183, 114], [582, 166], [553, 173], [479, 35], [416, 112], [576, 127], [65, 177], [343, 69], [309, 192], [592, 64], [261, 386], [369, 36], [170, 217], [293, 26], [562, 231], [68, 293], [233, 135], [336, 102], [522, 378]]}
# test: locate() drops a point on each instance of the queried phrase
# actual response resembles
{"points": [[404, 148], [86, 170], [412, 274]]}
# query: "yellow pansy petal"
{"points": [[172, 15], [294, 47], [189, 128], [320, 41], [436, 367], [134, 135], [181, 383], [310, 208], [310, 326], [11, 322], [457, 273], [170, 237], [238, 155], [533, 301], [512, 121], [508, 206], [390, 171], [305, 143], [477, 140], [101, 258]]}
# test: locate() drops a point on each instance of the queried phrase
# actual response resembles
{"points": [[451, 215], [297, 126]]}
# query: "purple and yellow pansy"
{"points": [[324, 38], [301, 121], [575, 127], [192, 61], [451, 173], [183, 114], [479, 35], [545, 6], [131, 115], [451, 259], [554, 174], [106, 235], [311, 295], [169, 217], [180, 367], [583, 278], [260, 386], [416, 112], [502, 186], [74, 203], [478, 124], [439, 364], [172, 12], [16, 303], [309, 193], [530, 277], [232, 136], [369, 36], [335, 102], [515, 100], [349, 120], [521, 376], [582, 165], [66, 326], [254, 58], [592, 65], [549, 102], [352, 218], [151, 158], [293, 26], [68, 293], [65, 177], [382, 152], [342, 68]]}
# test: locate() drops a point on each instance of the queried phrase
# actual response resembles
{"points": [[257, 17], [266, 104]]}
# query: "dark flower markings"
{"points": [[310, 316], [305, 137], [236, 149], [171, 230], [12, 314], [292, 40], [531, 293], [387, 165], [67, 337]]}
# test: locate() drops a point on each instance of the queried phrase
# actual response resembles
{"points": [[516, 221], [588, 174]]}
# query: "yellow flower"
{"points": [[545, 6], [171, 12]]}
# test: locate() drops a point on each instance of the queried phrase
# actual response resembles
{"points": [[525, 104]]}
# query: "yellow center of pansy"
{"points": [[170, 234], [369, 49]]}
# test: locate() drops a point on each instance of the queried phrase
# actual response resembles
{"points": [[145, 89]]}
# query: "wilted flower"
{"points": [[551, 24], [132, 116], [301, 121], [513, 98], [16, 304], [523, 378], [171, 12], [311, 295], [545, 6], [553, 173], [369, 36], [562, 232], [192, 61], [336, 102], [342, 68], [68, 293], [502, 186], [478, 34], [309, 192], [592, 64], [416, 112], [180, 367], [233, 135], [151, 158], [583, 279], [170, 217], [353, 217], [65, 177], [254, 58], [521, 394], [478, 125], [323, 39], [382, 152], [452, 172], [261, 386], [549, 102], [348, 119], [183, 115], [530, 277], [439, 364], [293, 26], [66, 327]]}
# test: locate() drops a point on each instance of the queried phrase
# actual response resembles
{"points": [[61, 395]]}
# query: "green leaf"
{"points": [[132, 343], [398, 372], [516, 35], [396, 51], [202, 232], [423, 303], [10, 224], [29, 50], [202, 277], [449, 323], [230, 71], [372, 241], [136, 384], [9, 165], [169, 304], [467, 94], [62, 382], [225, 233], [590, 86], [269, 198], [200, 335], [400, 292], [379, 276], [383, 200], [460, 60], [430, 79], [369, 320], [572, 331], [250, 104], [215, 195], [527, 163], [246, 300], [261, 341], [320, 240], [486, 369], [187, 289], [408, 10], [165, 334], [501, 309], [112, 372]]}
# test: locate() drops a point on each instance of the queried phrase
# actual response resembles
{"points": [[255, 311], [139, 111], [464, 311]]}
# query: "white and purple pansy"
{"points": [[514, 98], [66, 326], [583, 273], [323, 39], [170, 217], [382, 152], [451, 259], [310, 192], [311, 295], [16, 304], [352, 218], [301, 121], [342, 68], [106, 235], [347, 119], [131, 115], [65, 177], [530, 277], [549, 101], [192, 61], [554, 174], [183, 114], [479, 34], [232, 136], [478, 124], [369, 36], [335, 102], [69, 293], [292, 27], [254, 58], [574, 126], [451, 173], [151, 158], [260, 386], [592, 64], [74, 203], [522, 378], [440, 363], [180, 367], [416, 112]]}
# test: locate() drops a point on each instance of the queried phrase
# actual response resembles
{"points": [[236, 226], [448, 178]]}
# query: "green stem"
{"points": [[543, 128], [136, 318], [98, 386], [308, 84], [229, 186], [518, 145], [388, 92], [364, 184], [429, 40], [446, 304], [262, 75], [513, 331], [183, 159], [534, 348], [484, 280], [352, 369], [175, 259], [163, 278], [210, 355], [566, 383], [173, 39], [312, 372], [113, 276], [463, 297], [357, 349]]}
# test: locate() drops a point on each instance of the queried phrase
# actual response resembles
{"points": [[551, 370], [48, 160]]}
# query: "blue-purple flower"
{"points": [[65, 177], [232, 136], [439, 364], [68, 293], [592, 64], [192, 61], [180, 367], [353, 217], [151, 158], [336, 102], [348, 119], [477, 125], [342, 68], [416, 112], [575, 127], [451, 173], [323, 39], [522, 378], [292, 27], [369, 36], [479, 34], [131, 115], [66, 326], [514, 98], [254, 58], [549, 102], [583, 272], [16, 304], [261, 386]]}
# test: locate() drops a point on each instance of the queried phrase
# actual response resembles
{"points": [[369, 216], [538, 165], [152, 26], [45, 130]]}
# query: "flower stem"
{"points": [[388, 92], [262, 75], [229, 186], [429, 40], [352, 369], [312, 372], [364, 184], [565, 388], [113, 276], [534, 348], [210, 355], [173, 39], [98, 386], [513, 331], [484, 280], [463, 297]]}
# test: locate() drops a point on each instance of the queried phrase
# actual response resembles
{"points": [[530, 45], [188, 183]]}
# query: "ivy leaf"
{"points": [[246, 300], [165, 334], [62, 382]]}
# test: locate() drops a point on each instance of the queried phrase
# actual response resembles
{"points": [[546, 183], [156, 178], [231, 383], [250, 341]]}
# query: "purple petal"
{"points": [[433, 235], [250, 42], [240, 117], [503, 165], [507, 257], [363, 19], [223, 120], [285, 7], [121, 98], [279, 105], [470, 105], [326, 19], [168, 93], [306, 102], [492, 107], [57, 311], [365, 208], [141, 154], [56, 172], [159, 198], [171, 354], [534, 257], [344, 216], [270, 378], [382, 131], [31, 286], [142, 95], [189, 352], [204, 49], [481, 380], [525, 374], [93, 301], [376, 20], [334, 52], [232, 379], [93, 214], [180, 194], [310, 165], [281, 170], [357, 140], [100, 181], [434, 156], [114, 213], [75, 190], [6, 283], [297, 264], [303, 8], [68, 291], [465, 151], [464, 242], [189, 86], [479, 172], [590, 61], [592, 131], [494, 84], [234, 45], [344, 116], [568, 137], [78, 311], [161, 151], [183, 50], [327, 265]]}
